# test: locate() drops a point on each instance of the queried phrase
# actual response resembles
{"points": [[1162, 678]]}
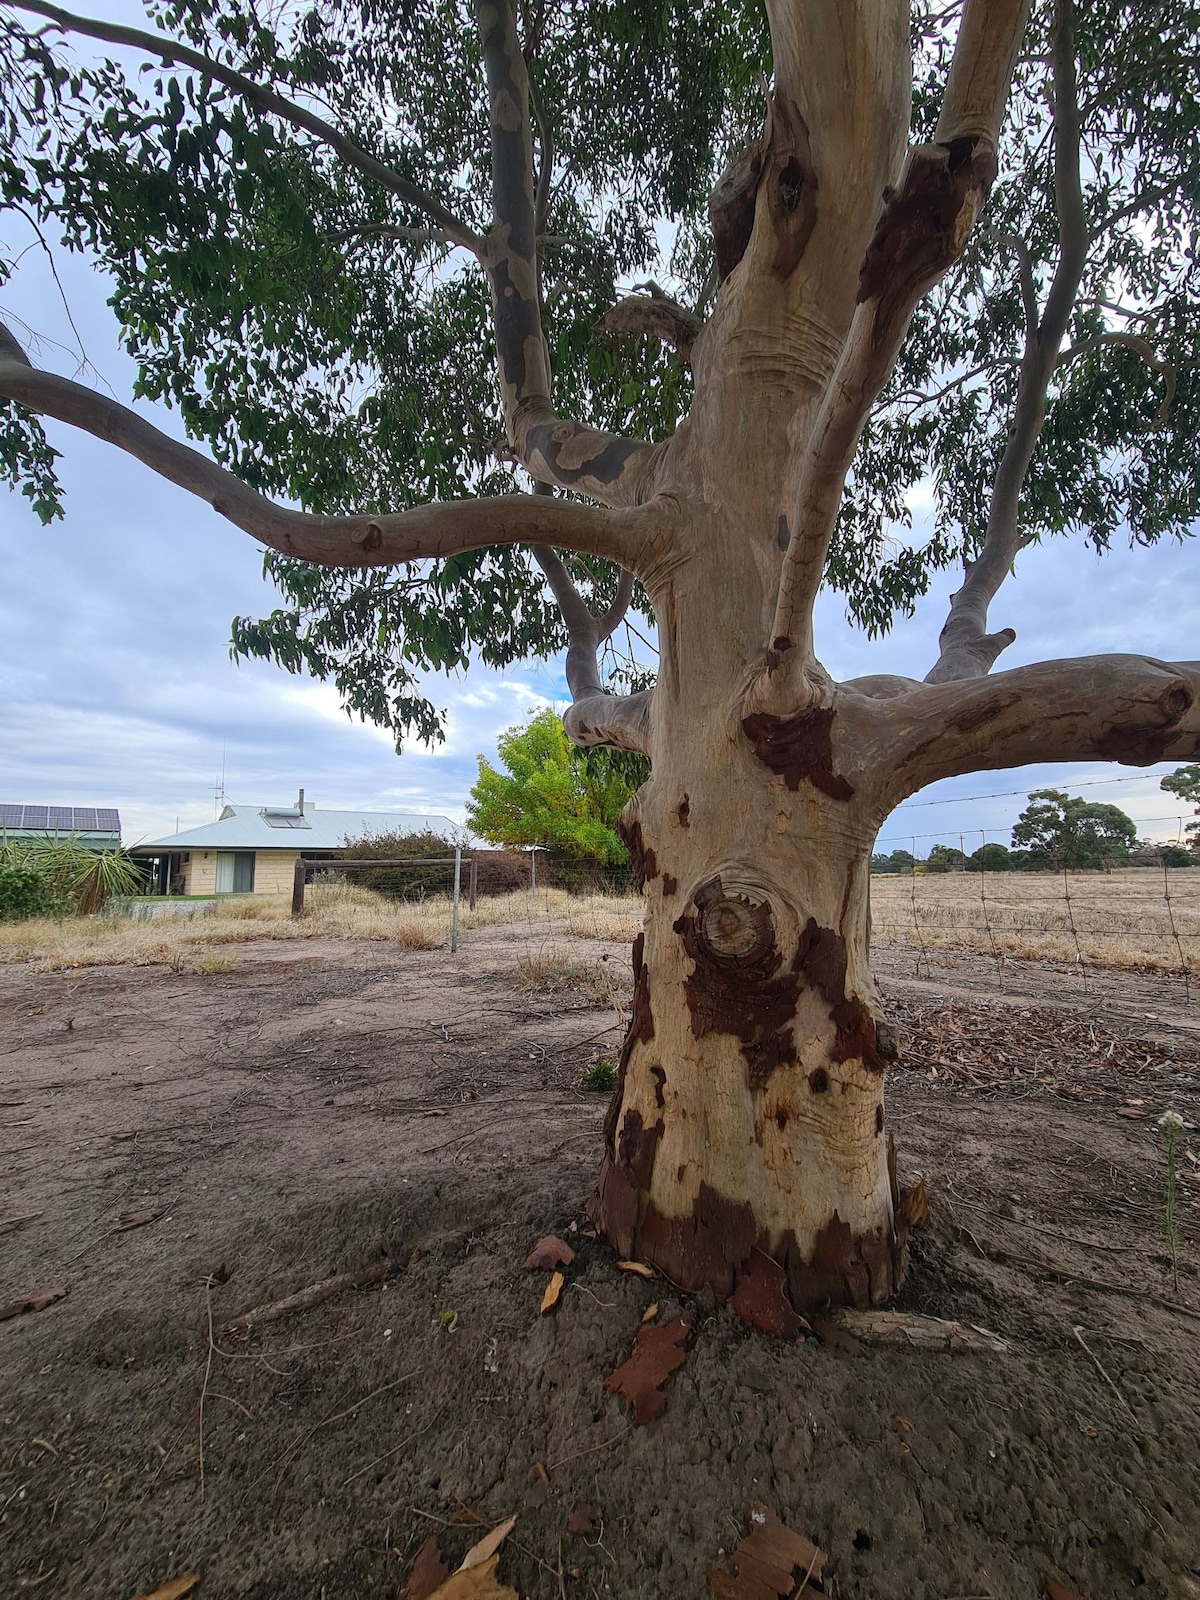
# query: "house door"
{"points": [[225, 870]]}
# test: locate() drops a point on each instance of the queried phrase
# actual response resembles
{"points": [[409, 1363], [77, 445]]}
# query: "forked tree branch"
{"points": [[1140, 346], [595, 717], [1131, 709], [172, 52], [966, 648], [922, 231], [345, 541], [654, 315], [554, 450]]}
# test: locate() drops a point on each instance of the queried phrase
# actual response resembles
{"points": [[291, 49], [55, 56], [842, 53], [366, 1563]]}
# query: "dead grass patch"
{"points": [[1133, 919]]}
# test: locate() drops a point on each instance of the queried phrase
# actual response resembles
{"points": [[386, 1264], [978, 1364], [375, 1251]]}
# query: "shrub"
{"points": [[23, 893]]}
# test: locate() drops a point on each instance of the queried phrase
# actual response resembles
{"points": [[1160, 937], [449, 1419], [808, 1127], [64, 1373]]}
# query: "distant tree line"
{"points": [[1058, 832]]}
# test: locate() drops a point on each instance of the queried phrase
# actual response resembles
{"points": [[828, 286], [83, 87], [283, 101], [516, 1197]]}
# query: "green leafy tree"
{"points": [[1062, 834], [392, 264], [900, 861], [1185, 782], [991, 857], [549, 794], [945, 858]]}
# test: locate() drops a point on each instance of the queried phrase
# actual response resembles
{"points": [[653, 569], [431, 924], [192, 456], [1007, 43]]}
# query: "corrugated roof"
{"points": [[60, 819], [282, 828]]}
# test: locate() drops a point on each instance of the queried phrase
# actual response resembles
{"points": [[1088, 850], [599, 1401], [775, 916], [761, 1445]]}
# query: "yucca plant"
{"points": [[76, 881]]}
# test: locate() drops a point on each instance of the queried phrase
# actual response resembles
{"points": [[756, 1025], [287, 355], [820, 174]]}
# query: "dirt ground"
{"points": [[181, 1147]]}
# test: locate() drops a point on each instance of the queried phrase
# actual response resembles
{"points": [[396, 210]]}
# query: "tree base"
{"points": [[720, 1246]]}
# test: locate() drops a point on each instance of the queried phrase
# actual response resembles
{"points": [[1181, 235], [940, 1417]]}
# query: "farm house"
{"points": [[253, 849]]}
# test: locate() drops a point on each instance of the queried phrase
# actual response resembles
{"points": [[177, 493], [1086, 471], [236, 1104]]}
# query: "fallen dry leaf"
{"points": [[475, 1583], [549, 1253], [650, 1312], [770, 1560], [175, 1590], [760, 1299], [553, 1294], [427, 1573], [136, 1219], [1058, 1591], [581, 1520], [488, 1545], [32, 1302], [656, 1354], [640, 1267]]}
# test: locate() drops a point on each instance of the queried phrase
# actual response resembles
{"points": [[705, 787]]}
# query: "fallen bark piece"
{"points": [[915, 1204], [910, 1328], [760, 1299], [427, 1573], [549, 1253], [650, 1312], [33, 1302], [770, 1563], [581, 1521], [553, 1294], [475, 1583], [314, 1295], [656, 1354], [638, 1267], [1056, 1590], [175, 1590]]}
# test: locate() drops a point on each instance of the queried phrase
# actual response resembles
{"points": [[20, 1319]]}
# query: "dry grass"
{"points": [[1119, 919], [337, 909]]}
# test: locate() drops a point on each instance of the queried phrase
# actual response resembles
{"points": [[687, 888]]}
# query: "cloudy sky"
{"points": [[116, 686]]}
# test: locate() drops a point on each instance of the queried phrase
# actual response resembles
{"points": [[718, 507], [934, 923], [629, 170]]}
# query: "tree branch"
{"points": [[922, 231], [1020, 249], [1125, 708], [171, 52], [1142, 347], [656, 316], [595, 717], [553, 450], [346, 541], [966, 649]]}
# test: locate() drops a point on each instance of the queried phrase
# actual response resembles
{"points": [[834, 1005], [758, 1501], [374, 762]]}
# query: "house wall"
{"points": [[274, 872]]}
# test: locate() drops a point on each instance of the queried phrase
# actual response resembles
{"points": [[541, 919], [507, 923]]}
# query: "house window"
{"points": [[235, 872]]}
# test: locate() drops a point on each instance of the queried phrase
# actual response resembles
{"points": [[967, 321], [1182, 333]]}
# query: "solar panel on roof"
{"points": [[60, 817], [36, 817], [108, 819], [10, 816], [84, 818]]}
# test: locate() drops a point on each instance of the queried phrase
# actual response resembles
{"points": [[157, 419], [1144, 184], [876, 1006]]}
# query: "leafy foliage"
{"points": [[331, 348], [1185, 782], [61, 877], [551, 794], [1064, 833]]}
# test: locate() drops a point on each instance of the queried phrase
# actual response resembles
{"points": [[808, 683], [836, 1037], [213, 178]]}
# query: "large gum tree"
{"points": [[364, 249]]}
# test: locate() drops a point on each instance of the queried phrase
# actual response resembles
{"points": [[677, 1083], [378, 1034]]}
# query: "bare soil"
{"points": [[344, 1105]]}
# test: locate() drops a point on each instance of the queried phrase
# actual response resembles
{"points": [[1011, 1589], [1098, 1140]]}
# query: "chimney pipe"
{"points": [[300, 803]]}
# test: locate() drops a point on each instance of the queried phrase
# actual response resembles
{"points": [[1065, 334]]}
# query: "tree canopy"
{"points": [[1065, 833], [552, 794], [287, 208], [1185, 782]]}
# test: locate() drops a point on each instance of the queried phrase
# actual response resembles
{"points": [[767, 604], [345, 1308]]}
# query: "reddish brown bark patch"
{"points": [[643, 865], [669, 885], [921, 230], [709, 1247], [760, 1298], [741, 994], [770, 1563], [640, 1031], [845, 1270], [683, 811], [799, 749], [660, 1080], [657, 1352], [821, 957]]}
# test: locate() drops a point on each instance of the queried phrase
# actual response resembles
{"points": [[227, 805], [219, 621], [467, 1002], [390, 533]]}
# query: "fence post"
{"points": [[473, 882], [457, 886], [533, 869], [298, 887]]}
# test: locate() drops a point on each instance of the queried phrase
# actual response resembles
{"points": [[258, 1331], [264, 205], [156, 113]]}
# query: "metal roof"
{"points": [[283, 828], [59, 819]]}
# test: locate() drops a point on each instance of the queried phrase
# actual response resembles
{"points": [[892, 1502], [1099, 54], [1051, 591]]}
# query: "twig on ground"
{"points": [[19, 1222], [921, 1332], [209, 1282], [1078, 1332], [314, 1295], [591, 1450]]}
